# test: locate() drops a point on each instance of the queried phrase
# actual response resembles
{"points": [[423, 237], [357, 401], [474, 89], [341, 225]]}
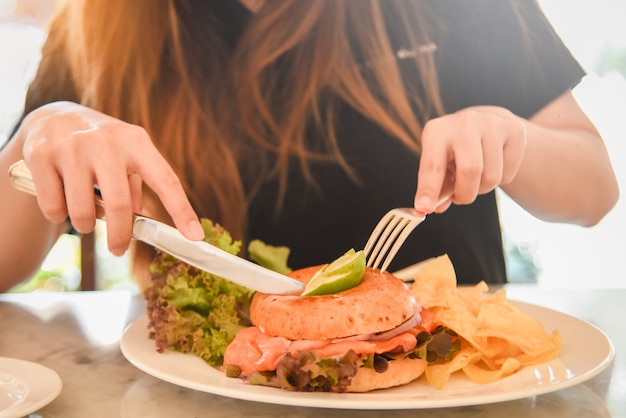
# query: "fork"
{"points": [[393, 229], [389, 235]]}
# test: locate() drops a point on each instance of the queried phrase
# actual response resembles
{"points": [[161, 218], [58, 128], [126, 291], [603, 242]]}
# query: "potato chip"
{"points": [[459, 319], [472, 296], [497, 339], [438, 374], [437, 278], [478, 374], [505, 321]]}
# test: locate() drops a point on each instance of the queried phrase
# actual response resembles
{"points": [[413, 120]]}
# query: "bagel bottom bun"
{"points": [[399, 372], [357, 340]]}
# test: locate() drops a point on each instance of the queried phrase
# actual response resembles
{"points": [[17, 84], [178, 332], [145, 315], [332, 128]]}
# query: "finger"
{"points": [[80, 200], [116, 195], [162, 179], [432, 169], [136, 192], [447, 190], [445, 198], [50, 196], [468, 166]]}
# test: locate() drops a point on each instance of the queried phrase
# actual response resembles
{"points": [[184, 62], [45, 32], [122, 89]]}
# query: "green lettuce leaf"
{"points": [[269, 256], [193, 311]]}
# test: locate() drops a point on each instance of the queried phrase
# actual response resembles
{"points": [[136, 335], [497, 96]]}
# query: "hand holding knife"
{"points": [[199, 254]]}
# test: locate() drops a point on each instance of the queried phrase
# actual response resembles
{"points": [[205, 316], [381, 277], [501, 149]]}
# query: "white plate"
{"points": [[25, 387], [577, 363]]}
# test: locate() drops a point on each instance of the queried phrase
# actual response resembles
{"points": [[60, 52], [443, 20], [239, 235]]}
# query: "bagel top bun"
{"points": [[379, 303]]}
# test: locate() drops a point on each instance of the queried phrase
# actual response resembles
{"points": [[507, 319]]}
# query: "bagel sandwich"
{"points": [[372, 336]]}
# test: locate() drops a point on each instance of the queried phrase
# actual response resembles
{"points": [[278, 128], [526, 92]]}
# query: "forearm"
{"points": [[566, 174], [26, 235]]}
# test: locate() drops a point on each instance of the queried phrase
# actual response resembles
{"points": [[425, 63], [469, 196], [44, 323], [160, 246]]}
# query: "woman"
{"points": [[301, 123]]}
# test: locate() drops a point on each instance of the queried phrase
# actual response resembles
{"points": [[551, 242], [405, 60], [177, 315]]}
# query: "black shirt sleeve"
{"points": [[492, 54]]}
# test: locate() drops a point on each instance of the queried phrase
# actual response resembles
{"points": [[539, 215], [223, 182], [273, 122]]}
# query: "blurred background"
{"points": [[553, 255], [558, 255]]}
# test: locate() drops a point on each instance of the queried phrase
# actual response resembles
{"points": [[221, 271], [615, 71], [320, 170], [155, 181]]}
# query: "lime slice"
{"points": [[342, 274]]}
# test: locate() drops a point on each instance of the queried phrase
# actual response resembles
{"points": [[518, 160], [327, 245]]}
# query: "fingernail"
{"points": [[424, 204], [195, 230], [118, 252]]}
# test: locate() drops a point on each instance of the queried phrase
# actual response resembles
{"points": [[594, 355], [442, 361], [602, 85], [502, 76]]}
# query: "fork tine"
{"points": [[390, 232], [378, 231], [380, 226], [382, 247], [410, 226]]}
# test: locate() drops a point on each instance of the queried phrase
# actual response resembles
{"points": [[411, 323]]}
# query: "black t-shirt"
{"points": [[479, 60], [479, 57]]}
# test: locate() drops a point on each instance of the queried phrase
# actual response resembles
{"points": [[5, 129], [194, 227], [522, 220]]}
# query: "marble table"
{"points": [[77, 335]]}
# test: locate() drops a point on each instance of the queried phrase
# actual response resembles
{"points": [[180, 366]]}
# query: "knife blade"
{"points": [[199, 254], [208, 257]]}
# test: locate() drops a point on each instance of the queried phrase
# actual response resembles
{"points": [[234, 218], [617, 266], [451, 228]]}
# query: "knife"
{"points": [[199, 254]]}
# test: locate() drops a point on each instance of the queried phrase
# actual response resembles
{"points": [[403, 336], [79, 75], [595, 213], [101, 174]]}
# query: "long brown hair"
{"points": [[162, 65]]}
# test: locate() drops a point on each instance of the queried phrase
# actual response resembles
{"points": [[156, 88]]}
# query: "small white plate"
{"points": [[576, 364], [26, 387]]}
